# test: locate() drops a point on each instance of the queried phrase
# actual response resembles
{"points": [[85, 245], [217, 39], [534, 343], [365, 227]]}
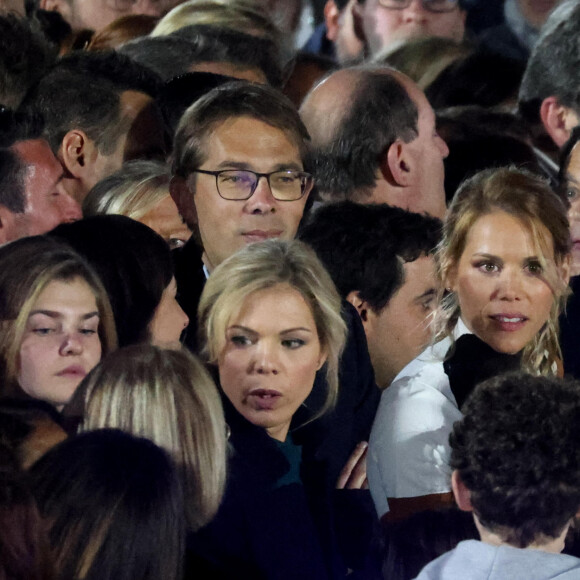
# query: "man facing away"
{"points": [[516, 463]]}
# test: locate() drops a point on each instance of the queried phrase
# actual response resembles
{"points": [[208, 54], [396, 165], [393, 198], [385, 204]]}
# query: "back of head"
{"points": [[131, 191], [364, 247], [554, 65], [25, 55], [168, 397], [265, 265], [346, 154], [516, 451], [177, 53], [483, 79], [83, 91], [121, 31], [230, 101], [236, 15], [423, 58], [114, 505], [133, 262], [25, 552]]}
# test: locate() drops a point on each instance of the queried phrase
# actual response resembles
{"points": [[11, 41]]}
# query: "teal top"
{"points": [[293, 454]]}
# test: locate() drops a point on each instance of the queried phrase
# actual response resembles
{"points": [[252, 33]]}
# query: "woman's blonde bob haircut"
{"points": [[267, 265], [239, 15], [132, 191], [529, 199], [166, 396], [27, 267]]}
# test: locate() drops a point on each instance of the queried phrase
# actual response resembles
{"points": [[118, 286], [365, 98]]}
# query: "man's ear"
{"points": [[361, 305], [461, 493], [396, 164], [558, 120], [7, 229], [183, 198], [75, 151], [331, 16]]}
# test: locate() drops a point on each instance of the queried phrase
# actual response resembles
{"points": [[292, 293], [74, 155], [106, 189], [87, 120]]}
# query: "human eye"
{"points": [[293, 343], [42, 331], [534, 267], [487, 267], [235, 177], [240, 340], [571, 194], [428, 303], [285, 177]]}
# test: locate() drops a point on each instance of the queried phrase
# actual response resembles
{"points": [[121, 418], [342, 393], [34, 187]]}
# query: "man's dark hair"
{"points": [[83, 91], [554, 65], [15, 127], [380, 112], [172, 55], [364, 247], [232, 100], [25, 55], [516, 450]]}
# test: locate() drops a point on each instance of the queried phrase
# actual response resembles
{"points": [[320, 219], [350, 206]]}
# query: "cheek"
{"points": [[33, 364]]}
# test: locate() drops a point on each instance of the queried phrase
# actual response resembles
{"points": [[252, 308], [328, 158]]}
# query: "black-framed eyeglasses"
{"points": [[437, 6], [240, 184]]}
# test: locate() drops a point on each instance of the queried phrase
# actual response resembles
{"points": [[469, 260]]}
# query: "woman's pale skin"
{"points": [[505, 293], [169, 320], [61, 343], [272, 352]]}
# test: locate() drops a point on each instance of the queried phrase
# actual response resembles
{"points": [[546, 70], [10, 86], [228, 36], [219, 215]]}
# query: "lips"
{"points": [[509, 322], [261, 235], [264, 399], [73, 371]]}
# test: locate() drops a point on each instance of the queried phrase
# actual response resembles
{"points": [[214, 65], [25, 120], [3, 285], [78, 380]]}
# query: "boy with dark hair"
{"points": [[516, 464]]}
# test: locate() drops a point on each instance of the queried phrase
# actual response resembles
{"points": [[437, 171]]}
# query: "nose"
{"points": [[443, 148], [509, 286], [262, 201], [574, 212], [415, 11], [183, 316], [266, 359], [72, 344]]}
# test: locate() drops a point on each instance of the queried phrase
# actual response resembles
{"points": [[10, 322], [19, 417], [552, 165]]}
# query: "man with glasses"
{"points": [[384, 22], [240, 175]]}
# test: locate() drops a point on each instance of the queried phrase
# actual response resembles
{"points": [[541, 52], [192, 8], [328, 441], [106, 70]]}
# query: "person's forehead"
{"points": [[35, 152], [227, 131]]}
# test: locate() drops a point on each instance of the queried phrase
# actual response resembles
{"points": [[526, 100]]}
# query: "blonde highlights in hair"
{"points": [[530, 200], [166, 396], [267, 265]]}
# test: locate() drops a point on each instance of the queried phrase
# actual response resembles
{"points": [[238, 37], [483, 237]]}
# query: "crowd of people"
{"points": [[283, 312]]}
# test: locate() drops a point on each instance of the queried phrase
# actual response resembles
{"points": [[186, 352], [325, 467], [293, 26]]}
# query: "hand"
{"points": [[354, 473]]}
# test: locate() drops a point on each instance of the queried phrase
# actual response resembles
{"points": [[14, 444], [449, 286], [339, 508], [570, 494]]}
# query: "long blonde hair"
{"points": [[529, 199], [168, 397]]}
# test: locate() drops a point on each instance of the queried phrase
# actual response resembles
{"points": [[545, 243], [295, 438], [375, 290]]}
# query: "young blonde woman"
{"points": [[270, 318], [504, 260]]}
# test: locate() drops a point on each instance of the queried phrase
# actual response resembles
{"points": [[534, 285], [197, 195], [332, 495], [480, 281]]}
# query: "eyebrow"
{"points": [[55, 314], [286, 331], [430, 292], [498, 259], [229, 164]]}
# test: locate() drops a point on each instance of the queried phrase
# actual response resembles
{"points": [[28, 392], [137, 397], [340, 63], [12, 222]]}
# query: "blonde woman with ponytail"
{"points": [[503, 264]]}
